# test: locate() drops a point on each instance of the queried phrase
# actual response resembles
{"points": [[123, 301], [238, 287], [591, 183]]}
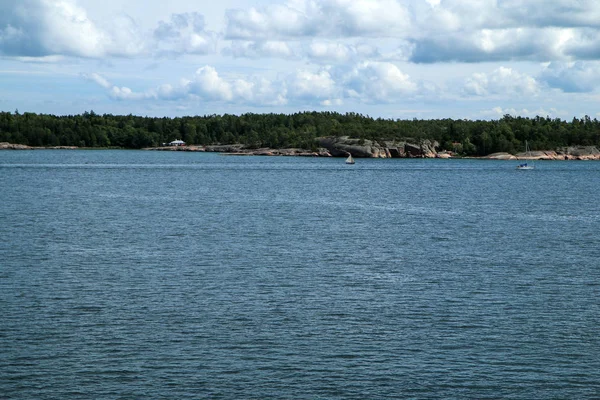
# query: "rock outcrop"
{"points": [[501, 156], [239, 149], [565, 153], [578, 153], [12, 146], [363, 148]]}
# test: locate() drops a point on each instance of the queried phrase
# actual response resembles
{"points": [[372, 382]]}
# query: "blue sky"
{"points": [[475, 59]]}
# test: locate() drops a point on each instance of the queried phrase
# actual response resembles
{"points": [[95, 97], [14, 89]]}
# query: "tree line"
{"points": [[299, 130]]}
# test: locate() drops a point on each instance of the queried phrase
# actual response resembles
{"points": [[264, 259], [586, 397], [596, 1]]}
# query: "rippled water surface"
{"points": [[131, 274]]}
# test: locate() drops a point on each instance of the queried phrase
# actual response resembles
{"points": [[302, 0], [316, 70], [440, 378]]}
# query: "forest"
{"points": [[299, 130]]}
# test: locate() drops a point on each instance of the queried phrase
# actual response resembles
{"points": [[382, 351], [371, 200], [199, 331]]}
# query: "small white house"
{"points": [[177, 143]]}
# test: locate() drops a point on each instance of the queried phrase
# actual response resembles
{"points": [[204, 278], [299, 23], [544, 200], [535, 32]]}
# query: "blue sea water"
{"points": [[132, 274]]}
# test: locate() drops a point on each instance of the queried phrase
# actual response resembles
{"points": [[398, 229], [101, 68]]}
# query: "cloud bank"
{"points": [[39, 28], [429, 32], [316, 53]]}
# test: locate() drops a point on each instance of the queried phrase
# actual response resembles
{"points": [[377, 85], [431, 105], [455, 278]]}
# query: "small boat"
{"points": [[526, 165], [350, 160]]}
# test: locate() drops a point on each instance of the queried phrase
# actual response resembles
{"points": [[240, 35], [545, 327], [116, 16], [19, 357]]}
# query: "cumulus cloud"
{"points": [[324, 18], [99, 79], [185, 34], [125, 93], [249, 49], [312, 85], [558, 13], [432, 31], [116, 92], [318, 51], [205, 85], [403, 20], [43, 27], [378, 82], [368, 82], [209, 85], [474, 15], [273, 21], [490, 45], [502, 81], [330, 51], [574, 77], [367, 17], [40, 28], [491, 30], [337, 52]]}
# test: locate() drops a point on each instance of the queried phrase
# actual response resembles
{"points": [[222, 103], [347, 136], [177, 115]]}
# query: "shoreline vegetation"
{"points": [[310, 134]]}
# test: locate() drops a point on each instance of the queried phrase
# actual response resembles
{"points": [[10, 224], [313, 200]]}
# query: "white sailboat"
{"points": [[526, 165], [349, 160]]}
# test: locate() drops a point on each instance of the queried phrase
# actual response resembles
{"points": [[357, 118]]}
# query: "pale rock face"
{"points": [[566, 153], [342, 146], [501, 156]]}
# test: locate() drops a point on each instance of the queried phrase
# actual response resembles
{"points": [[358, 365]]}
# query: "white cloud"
{"points": [[367, 17], [125, 93], [330, 51], [248, 49], [209, 85], [275, 21], [502, 81], [205, 85], [319, 18], [116, 92], [99, 79], [575, 77], [184, 34], [38, 28], [492, 45], [491, 30], [560, 13], [337, 52], [308, 85], [121, 37], [44, 27], [433, 31], [378, 82], [287, 54], [367, 82]]}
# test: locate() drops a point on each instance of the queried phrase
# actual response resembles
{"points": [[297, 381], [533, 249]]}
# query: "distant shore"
{"points": [[570, 153]]}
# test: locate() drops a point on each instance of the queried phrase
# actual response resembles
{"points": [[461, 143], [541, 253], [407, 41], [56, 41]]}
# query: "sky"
{"points": [[399, 59]]}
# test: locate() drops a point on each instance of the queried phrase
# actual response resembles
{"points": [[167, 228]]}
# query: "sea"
{"points": [[180, 275]]}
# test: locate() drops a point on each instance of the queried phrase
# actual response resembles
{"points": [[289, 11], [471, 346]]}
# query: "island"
{"points": [[311, 134]]}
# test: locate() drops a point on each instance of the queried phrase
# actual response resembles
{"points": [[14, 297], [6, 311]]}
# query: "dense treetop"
{"points": [[471, 138]]}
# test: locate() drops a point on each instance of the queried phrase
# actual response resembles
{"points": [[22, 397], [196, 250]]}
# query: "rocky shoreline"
{"points": [[360, 148], [12, 146], [565, 153], [330, 147]]}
